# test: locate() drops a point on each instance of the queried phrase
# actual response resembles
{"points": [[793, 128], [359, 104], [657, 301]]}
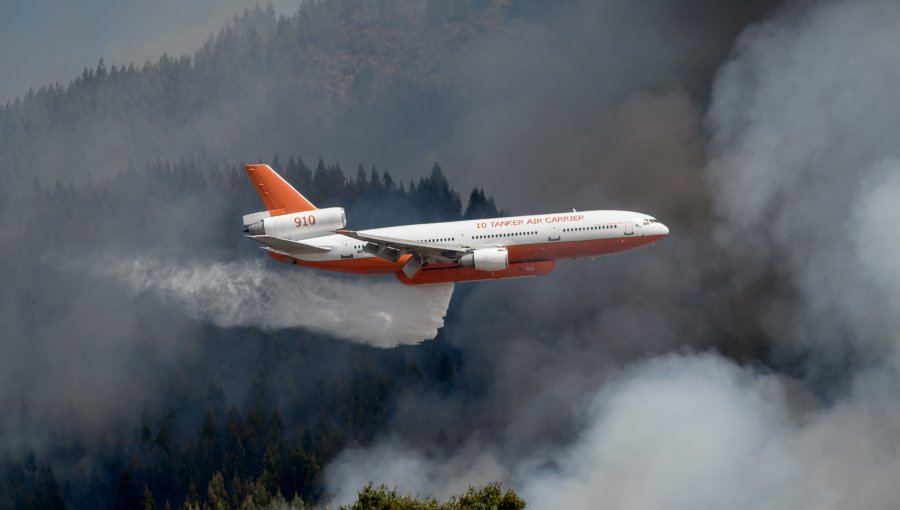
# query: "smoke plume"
{"points": [[749, 361], [382, 313], [682, 432], [799, 265], [805, 130]]}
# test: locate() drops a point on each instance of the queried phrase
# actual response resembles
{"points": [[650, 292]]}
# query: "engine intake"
{"points": [[486, 259], [301, 225]]}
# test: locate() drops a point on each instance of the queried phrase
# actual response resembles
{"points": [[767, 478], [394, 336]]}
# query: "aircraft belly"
{"points": [[452, 274], [577, 249], [535, 256]]}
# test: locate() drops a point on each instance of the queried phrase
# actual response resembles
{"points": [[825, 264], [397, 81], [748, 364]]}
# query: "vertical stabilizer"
{"points": [[278, 196]]}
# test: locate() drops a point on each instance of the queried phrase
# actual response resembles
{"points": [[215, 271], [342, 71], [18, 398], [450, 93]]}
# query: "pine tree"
{"points": [[480, 206], [46, 490], [235, 455], [389, 185], [148, 503], [216, 496], [125, 493], [206, 457], [361, 184]]}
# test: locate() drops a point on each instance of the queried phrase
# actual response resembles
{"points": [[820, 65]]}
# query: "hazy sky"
{"points": [[44, 41]]}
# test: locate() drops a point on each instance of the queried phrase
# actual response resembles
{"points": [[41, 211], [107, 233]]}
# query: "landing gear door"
{"points": [[629, 227]]}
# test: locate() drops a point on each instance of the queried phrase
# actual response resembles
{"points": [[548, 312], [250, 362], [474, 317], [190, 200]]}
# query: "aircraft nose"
{"points": [[657, 228]]}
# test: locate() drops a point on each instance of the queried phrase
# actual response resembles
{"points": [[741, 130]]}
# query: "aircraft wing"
{"points": [[288, 247], [392, 249]]}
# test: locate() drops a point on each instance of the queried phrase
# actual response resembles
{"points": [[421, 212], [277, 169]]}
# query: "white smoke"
{"points": [[677, 432], [877, 244], [395, 465], [805, 126], [370, 310]]}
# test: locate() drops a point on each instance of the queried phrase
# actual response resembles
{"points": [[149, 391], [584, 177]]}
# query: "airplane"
{"points": [[294, 231]]}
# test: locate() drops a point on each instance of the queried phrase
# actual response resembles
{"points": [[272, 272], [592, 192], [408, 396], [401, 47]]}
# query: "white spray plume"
{"points": [[369, 310]]}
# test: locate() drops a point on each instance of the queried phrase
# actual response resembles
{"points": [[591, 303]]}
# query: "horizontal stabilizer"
{"points": [[250, 219], [288, 247]]}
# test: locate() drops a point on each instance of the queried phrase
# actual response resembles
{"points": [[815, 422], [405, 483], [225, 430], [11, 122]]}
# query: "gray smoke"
{"points": [[608, 383], [804, 144], [579, 111], [382, 312], [802, 168]]}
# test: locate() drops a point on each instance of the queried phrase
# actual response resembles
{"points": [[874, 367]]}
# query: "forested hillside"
{"points": [[131, 160], [349, 79], [121, 194], [247, 413]]}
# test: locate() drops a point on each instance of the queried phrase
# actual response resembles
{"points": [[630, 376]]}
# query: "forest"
{"points": [[119, 390], [218, 442], [128, 160], [357, 80]]}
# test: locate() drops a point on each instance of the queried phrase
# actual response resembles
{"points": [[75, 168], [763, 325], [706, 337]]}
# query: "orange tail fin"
{"points": [[278, 196]]}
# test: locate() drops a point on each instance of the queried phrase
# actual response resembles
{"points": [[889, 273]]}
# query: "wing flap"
{"points": [[427, 251]]}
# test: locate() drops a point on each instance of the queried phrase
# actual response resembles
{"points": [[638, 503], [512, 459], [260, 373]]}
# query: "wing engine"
{"points": [[486, 259]]}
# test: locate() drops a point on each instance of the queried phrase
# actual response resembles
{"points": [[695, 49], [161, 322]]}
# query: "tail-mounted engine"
{"points": [[486, 259], [301, 225]]}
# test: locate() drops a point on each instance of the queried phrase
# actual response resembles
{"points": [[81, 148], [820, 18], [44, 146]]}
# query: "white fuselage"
{"points": [[506, 232]]}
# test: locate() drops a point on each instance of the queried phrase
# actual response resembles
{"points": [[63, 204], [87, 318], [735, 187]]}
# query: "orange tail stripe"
{"points": [[278, 196]]}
